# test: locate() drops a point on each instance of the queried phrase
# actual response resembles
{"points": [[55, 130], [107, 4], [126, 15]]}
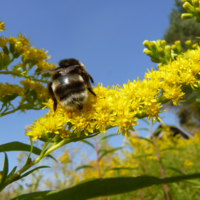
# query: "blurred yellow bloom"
{"points": [[3, 41], [10, 91], [2, 26], [187, 163], [65, 157], [20, 48], [23, 40], [12, 40]]}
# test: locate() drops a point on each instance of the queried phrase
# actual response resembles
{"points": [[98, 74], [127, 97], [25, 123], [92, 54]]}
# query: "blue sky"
{"points": [[106, 36]]}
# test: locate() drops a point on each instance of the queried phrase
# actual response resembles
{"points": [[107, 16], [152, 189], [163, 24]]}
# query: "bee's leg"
{"points": [[80, 107], [91, 91], [52, 96]]}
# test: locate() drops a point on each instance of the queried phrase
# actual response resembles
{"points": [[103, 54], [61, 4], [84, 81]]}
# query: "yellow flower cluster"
{"points": [[21, 46], [9, 91], [37, 87], [177, 74], [2, 26], [122, 106], [44, 65]]}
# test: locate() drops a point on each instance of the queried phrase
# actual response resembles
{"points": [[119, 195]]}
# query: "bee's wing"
{"points": [[49, 71], [65, 71], [61, 70]]}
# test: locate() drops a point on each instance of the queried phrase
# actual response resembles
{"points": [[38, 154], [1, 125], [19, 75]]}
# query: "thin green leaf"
{"points": [[162, 128], [145, 155], [109, 151], [145, 120], [172, 148], [104, 187], [12, 172], [108, 136], [146, 139], [123, 168], [143, 129], [5, 169], [197, 187], [84, 166], [176, 170], [89, 143], [190, 100], [102, 151], [194, 182], [18, 146], [29, 172]]}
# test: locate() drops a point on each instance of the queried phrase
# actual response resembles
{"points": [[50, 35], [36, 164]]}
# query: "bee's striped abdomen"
{"points": [[70, 90]]}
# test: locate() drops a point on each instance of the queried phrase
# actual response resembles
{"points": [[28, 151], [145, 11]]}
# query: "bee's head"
{"points": [[71, 62]]}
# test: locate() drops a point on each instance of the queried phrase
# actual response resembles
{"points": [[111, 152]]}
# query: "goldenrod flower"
{"points": [[41, 90], [121, 106], [20, 48], [34, 54], [44, 65], [46, 127], [187, 163], [3, 41], [8, 92], [12, 40], [23, 40]]}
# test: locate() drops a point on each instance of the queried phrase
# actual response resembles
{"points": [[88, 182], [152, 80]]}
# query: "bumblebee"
{"points": [[70, 84]]}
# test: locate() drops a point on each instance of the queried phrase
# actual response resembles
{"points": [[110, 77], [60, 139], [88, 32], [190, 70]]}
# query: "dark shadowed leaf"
{"points": [[105, 187]]}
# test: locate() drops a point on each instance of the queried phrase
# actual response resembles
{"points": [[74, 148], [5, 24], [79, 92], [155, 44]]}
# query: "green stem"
{"points": [[56, 146], [16, 109], [27, 166], [23, 75]]}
